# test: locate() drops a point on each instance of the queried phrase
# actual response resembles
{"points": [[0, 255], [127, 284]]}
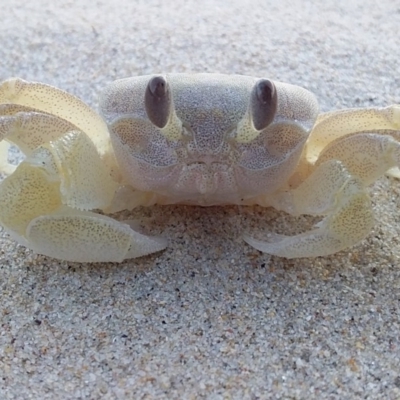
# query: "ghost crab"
{"points": [[202, 139]]}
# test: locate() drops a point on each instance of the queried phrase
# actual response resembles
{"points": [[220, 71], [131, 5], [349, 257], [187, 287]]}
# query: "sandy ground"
{"points": [[209, 317]]}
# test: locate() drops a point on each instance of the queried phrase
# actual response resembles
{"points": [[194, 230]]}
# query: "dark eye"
{"points": [[157, 101], [263, 103]]}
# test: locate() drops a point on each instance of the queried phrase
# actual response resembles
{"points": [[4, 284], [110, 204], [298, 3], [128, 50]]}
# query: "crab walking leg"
{"points": [[7, 128], [29, 130], [366, 155], [54, 101], [342, 198], [85, 182], [334, 125], [5, 166]]}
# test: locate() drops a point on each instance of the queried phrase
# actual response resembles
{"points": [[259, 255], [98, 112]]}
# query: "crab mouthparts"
{"points": [[208, 176]]}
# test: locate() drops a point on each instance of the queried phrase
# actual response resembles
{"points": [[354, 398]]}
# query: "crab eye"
{"points": [[157, 101], [263, 103]]}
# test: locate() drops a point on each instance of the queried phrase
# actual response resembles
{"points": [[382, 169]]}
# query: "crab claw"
{"points": [[332, 191]]}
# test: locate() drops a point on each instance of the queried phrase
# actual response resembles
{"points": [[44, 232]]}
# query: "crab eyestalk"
{"points": [[158, 102], [263, 104], [159, 107], [261, 111]]}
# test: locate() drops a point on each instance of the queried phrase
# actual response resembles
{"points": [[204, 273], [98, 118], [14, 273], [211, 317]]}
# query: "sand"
{"points": [[210, 317]]}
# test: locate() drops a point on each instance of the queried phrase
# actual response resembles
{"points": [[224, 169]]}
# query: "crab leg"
{"points": [[46, 203], [84, 236], [336, 188], [332, 191], [5, 166], [29, 130], [48, 99], [334, 125]]}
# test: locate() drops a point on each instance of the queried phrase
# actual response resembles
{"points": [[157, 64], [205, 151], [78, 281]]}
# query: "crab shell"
{"points": [[221, 139]]}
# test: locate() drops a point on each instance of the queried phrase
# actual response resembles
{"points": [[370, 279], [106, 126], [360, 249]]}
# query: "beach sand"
{"points": [[210, 317]]}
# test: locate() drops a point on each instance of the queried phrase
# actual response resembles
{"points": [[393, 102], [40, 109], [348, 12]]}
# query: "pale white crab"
{"points": [[202, 139]]}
